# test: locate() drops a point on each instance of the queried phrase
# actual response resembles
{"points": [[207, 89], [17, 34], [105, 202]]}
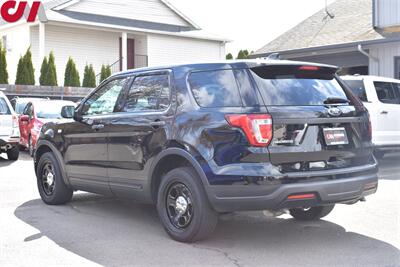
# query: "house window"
{"points": [[397, 67]]}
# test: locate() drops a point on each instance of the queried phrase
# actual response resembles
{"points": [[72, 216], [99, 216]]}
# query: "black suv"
{"points": [[201, 139]]}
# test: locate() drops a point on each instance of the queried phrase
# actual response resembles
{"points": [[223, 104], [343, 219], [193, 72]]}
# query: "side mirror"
{"points": [[24, 118], [77, 114], [68, 112]]}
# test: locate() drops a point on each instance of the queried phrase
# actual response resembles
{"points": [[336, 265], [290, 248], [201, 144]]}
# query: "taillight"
{"points": [[257, 127], [15, 121]]}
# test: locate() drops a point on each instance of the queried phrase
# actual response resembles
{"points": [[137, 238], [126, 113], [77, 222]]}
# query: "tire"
{"points": [[13, 153], [30, 146], [52, 188], [311, 214], [199, 219]]}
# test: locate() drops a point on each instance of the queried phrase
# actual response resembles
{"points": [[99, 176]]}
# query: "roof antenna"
{"points": [[331, 15]]}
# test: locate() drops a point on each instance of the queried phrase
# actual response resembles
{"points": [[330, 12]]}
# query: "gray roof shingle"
{"points": [[352, 23]]}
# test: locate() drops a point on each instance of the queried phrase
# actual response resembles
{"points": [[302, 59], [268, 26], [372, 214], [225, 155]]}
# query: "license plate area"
{"points": [[335, 136]]}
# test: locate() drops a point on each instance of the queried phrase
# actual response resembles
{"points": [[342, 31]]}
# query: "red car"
{"points": [[35, 114]]}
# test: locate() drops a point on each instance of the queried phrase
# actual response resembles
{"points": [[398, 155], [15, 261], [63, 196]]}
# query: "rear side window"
{"points": [[358, 88], [147, 93], [386, 92], [215, 89], [292, 86], [4, 109]]}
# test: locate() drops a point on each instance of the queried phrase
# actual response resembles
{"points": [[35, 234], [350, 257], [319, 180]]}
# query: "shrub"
{"points": [[3, 65], [105, 72], [20, 72], [89, 77], [51, 74], [29, 70], [229, 56], [71, 77], [43, 72]]}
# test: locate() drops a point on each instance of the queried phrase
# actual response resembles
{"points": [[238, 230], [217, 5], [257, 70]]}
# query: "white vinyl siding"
{"points": [[17, 43], [168, 50], [385, 54], [387, 13], [146, 10]]}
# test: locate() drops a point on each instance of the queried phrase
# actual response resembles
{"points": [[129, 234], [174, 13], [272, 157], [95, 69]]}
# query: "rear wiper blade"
{"points": [[336, 100]]}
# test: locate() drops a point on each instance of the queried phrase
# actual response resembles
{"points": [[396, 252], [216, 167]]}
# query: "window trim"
{"points": [[167, 72]]}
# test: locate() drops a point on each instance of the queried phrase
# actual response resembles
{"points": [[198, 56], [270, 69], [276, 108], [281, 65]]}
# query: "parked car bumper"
{"points": [[228, 198], [8, 142]]}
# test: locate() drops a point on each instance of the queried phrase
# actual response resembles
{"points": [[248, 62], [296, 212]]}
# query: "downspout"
{"points": [[365, 53]]}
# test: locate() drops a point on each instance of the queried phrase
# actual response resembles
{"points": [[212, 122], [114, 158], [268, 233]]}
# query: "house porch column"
{"points": [[124, 48], [42, 44]]}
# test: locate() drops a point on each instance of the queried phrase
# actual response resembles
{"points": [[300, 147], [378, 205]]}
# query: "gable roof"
{"points": [[122, 10], [352, 23]]}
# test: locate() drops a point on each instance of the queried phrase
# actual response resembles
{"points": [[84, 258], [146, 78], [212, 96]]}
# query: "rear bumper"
{"points": [[5, 140], [227, 198]]}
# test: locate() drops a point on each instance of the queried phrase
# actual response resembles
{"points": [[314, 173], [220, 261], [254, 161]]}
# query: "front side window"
{"points": [[386, 92], [149, 93], [358, 88], [104, 100], [216, 88], [4, 110]]}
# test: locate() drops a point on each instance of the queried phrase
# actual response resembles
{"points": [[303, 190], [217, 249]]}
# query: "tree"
{"points": [[51, 74], [243, 54], [29, 70], [20, 79], [3, 65], [43, 72], [25, 70], [105, 72], [229, 56], [89, 77], [71, 77]]}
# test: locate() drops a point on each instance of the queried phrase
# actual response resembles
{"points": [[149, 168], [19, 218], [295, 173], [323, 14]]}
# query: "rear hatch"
{"points": [[6, 119], [317, 123]]}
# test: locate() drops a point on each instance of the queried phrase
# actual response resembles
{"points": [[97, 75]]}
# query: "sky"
{"points": [[250, 24]]}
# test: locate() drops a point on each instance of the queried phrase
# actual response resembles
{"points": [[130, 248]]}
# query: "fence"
{"points": [[52, 92]]}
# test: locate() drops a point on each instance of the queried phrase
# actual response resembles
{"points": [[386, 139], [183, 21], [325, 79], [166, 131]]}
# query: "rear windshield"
{"points": [[290, 86], [4, 109]]}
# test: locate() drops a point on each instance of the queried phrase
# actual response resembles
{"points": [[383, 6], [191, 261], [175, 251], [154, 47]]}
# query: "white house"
{"points": [[125, 34], [361, 36]]}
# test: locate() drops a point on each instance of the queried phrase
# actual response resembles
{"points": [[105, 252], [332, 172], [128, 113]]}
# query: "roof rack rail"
{"points": [[273, 56]]}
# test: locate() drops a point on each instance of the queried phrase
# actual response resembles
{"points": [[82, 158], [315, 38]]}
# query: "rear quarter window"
{"points": [[216, 88], [4, 109]]}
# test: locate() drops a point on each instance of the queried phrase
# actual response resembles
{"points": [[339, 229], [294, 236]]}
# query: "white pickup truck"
{"points": [[381, 96], [9, 129]]}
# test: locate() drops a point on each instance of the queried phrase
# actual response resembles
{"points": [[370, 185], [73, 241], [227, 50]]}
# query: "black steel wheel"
{"points": [[48, 178], [179, 205], [183, 206], [50, 182]]}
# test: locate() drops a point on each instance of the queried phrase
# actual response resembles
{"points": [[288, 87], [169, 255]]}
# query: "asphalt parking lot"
{"points": [[95, 230]]}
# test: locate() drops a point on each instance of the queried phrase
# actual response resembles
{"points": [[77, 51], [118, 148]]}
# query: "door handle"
{"points": [[98, 126], [384, 112]]}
